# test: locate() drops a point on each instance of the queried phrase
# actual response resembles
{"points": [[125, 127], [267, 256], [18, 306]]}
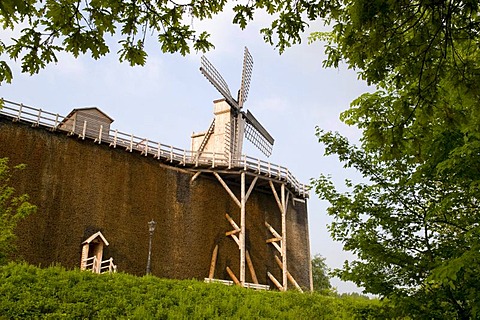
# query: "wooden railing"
{"points": [[104, 266], [115, 138], [90, 264], [255, 286]]}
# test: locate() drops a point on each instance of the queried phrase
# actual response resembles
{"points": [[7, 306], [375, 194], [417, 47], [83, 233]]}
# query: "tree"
{"points": [[13, 208], [416, 236], [48, 27], [414, 223], [321, 281]]}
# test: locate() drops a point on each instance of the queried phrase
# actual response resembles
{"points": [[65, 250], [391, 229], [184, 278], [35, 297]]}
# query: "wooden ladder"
{"points": [[205, 139]]}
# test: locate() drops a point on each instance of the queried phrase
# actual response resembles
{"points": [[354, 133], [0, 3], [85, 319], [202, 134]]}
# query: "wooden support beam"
{"points": [[274, 191], [250, 189], [233, 232], [232, 275], [289, 275], [273, 240], [284, 237], [299, 200], [279, 249], [275, 281], [225, 186], [234, 237], [292, 280], [272, 230], [234, 225], [211, 274], [229, 233], [286, 201], [195, 176], [243, 201], [276, 235], [250, 267]]}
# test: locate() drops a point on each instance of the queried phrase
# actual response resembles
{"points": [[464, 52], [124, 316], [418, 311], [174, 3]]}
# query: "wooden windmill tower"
{"points": [[231, 123]]}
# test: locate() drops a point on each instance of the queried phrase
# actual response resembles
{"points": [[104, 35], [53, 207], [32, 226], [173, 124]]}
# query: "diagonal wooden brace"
{"points": [[289, 275], [275, 281]]}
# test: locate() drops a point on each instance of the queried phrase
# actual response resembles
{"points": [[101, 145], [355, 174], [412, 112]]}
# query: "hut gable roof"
{"points": [[95, 109], [93, 237]]}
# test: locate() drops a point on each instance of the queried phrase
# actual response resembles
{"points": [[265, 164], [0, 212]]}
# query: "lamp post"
{"points": [[151, 229]]}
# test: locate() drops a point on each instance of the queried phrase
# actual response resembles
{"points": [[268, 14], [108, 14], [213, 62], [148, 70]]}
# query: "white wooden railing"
{"points": [[115, 138], [104, 266], [255, 286]]}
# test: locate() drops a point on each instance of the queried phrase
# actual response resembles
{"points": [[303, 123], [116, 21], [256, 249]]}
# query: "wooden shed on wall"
{"points": [[88, 121]]}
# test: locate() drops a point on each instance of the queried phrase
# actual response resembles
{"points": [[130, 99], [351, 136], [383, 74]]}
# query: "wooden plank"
{"points": [[229, 233], [225, 186], [275, 281], [256, 286], [232, 275], [250, 267], [225, 282], [273, 240], [213, 262], [289, 275]]}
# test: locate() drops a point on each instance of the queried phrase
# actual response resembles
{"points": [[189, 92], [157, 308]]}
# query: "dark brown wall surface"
{"points": [[81, 187]]}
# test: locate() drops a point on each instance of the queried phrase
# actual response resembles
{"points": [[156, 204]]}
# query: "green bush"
{"points": [[52, 293]]}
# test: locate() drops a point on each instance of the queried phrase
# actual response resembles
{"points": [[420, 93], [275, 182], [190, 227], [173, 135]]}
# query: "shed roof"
{"points": [[85, 109], [95, 236]]}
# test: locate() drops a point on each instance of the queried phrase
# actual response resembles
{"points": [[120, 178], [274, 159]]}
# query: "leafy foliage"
{"points": [[30, 292], [47, 27], [321, 281], [12, 209], [414, 223], [416, 237], [79, 27]]}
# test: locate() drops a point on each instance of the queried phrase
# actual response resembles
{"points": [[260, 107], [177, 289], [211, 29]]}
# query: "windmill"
{"points": [[231, 123]]}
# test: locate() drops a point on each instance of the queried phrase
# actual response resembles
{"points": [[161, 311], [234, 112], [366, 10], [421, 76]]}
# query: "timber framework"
{"points": [[244, 172]]}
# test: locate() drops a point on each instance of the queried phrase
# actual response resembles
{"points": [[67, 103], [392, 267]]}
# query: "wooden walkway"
{"points": [[203, 161]]}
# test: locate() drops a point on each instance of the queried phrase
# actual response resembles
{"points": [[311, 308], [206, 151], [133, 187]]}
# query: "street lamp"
{"points": [[151, 229]]}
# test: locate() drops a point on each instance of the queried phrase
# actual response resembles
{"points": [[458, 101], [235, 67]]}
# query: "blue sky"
{"points": [[169, 98]]}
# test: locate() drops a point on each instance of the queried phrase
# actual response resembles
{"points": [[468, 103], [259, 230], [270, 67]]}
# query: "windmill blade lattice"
{"points": [[237, 129], [209, 71], [257, 135], [246, 77]]}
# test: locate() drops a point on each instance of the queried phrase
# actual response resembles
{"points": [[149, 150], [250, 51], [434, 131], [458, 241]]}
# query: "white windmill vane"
{"points": [[231, 124]]}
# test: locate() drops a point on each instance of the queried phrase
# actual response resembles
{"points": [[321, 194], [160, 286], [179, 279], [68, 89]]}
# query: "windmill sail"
{"points": [[240, 124], [246, 77], [209, 71], [257, 134]]}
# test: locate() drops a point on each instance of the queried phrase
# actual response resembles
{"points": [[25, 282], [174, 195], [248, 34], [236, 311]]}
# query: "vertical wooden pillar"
{"points": [[284, 238], [83, 261], [242, 229]]}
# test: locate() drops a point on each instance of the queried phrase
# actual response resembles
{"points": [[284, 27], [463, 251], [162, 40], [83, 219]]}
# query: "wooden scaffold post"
{"points": [[242, 229], [284, 238], [282, 203], [244, 194]]}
